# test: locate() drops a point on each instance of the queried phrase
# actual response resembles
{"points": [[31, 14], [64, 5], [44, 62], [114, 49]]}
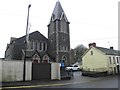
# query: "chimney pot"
{"points": [[92, 44], [111, 48]]}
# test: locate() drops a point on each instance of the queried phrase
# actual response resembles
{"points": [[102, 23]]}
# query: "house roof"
{"points": [[106, 51], [109, 51]]}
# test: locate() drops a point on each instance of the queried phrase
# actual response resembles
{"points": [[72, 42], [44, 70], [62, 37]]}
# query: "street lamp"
{"points": [[26, 41]]}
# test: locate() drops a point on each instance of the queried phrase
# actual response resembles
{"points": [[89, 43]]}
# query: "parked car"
{"points": [[73, 67]]}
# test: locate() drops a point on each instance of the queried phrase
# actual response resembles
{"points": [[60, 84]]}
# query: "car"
{"points": [[73, 67]]}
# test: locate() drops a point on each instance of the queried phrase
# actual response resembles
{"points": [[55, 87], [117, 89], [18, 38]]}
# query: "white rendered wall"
{"points": [[12, 70], [55, 71]]}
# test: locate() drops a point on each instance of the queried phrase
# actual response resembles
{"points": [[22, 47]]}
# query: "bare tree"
{"points": [[77, 52]]}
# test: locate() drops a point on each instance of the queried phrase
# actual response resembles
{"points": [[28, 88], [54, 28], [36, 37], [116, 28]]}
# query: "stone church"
{"points": [[55, 48]]}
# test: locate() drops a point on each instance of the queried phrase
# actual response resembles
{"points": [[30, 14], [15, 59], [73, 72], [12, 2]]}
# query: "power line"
{"points": [[105, 38]]}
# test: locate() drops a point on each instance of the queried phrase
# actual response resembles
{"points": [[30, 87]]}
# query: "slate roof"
{"points": [[34, 35], [31, 53], [19, 43], [109, 51], [58, 11]]}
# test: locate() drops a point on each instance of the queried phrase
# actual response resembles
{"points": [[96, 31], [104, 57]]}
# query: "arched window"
{"points": [[64, 60], [36, 58], [45, 59]]}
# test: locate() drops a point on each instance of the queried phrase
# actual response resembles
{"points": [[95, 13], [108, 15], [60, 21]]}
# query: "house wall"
{"points": [[55, 71], [112, 65], [12, 70], [96, 62], [0, 70]]}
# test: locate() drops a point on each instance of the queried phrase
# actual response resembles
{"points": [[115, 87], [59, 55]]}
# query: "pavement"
{"points": [[77, 79]]}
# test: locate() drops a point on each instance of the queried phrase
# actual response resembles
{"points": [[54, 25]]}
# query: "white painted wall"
{"points": [[0, 69], [112, 65], [55, 71], [96, 62], [28, 71], [12, 70]]}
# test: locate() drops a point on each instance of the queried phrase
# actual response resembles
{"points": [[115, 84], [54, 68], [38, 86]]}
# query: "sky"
{"points": [[90, 20]]}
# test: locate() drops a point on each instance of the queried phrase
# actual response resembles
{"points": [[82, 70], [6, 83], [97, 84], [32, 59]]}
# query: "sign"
{"points": [[62, 64]]}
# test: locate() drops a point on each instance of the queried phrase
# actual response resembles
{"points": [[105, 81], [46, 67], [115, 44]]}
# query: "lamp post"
{"points": [[24, 64]]}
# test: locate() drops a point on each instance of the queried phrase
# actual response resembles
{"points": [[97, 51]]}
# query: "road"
{"points": [[89, 82], [77, 81]]}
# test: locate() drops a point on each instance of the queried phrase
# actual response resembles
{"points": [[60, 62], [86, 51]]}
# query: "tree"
{"points": [[77, 52]]}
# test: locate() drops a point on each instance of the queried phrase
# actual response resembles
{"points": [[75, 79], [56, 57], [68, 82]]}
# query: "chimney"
{"points": [[92, 44], [111, 48]]}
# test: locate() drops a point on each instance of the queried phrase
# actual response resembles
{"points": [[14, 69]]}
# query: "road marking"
{"points": [[45, 85]]}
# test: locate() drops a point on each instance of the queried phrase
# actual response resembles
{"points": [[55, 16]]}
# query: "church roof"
{"points": [[36, 35], [58, 12]]}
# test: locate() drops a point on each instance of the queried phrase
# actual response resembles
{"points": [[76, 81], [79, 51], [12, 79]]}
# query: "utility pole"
{"points": [[24, 64]]}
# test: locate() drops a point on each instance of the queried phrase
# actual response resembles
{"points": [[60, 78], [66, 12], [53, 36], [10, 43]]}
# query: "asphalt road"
{"points": [[89, 82], [77, 81]]}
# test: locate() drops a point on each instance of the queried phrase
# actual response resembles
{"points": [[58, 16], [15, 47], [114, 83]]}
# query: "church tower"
{"points": [[58, 35]]}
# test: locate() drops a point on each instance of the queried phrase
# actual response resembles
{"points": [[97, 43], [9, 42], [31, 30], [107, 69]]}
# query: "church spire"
{"points": [[58, 12], [58, 35]]}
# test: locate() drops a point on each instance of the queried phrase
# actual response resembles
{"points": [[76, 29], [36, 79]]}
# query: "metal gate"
{"points": [[41, 71]]}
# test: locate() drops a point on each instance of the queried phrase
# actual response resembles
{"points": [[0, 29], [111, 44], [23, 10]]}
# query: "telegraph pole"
{"points": [[24, 64]]}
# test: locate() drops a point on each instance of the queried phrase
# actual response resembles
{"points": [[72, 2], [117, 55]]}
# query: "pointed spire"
{"points": [[58, 12]]}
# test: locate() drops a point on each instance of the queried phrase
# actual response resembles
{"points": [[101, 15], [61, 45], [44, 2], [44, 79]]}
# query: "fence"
{"points": [[12, 70], [55, 71]]}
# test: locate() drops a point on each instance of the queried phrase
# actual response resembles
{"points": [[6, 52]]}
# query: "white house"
{"points": [[100, 60]]}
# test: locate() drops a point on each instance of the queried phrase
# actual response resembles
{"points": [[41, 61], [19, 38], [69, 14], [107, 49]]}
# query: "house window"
{"points": [[66, 48], [31, 45], [44, 46], [91, 52], [35, 45], [117, 59], [45, 59], [40, 46], [63, 25], [63, 48], [110, 60], [36, 59], [114, 60]]}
